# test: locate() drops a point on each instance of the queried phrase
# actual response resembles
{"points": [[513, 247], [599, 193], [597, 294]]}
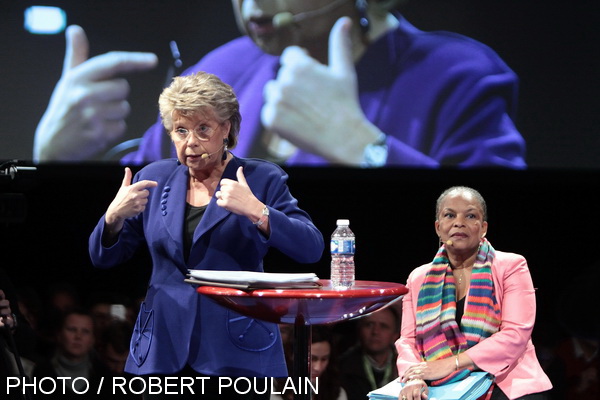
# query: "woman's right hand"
{"points": [[414, 389], [130, 201]]}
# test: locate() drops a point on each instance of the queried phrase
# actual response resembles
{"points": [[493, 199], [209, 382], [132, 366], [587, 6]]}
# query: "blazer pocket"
{"points": [[141, 337], [250, 334]]}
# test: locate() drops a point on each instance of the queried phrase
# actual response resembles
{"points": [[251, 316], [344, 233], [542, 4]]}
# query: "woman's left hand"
{"points": [[430, 370], [237, 197]]}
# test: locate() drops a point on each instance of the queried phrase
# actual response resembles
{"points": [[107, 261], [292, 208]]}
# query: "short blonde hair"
{"points": [[190, 94]]}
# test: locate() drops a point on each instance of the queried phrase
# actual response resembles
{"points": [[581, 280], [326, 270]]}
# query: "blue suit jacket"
{"points": [[175, 325]]}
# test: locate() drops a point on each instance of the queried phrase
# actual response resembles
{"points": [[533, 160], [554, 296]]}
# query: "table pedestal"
{"points": [[306, 307], [302, 357]]}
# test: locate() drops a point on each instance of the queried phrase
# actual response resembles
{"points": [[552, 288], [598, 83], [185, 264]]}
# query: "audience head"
{"points": [[321, 349], [105, 307], [63, 297], [115, 345], [324, 362], [75, 335], [378, 331]]}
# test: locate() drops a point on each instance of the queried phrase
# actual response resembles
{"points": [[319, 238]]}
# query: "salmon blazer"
{"points": [[508, 354]]}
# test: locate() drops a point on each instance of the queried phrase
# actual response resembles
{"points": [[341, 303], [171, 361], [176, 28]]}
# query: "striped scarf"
{"points": [[438, 333]]}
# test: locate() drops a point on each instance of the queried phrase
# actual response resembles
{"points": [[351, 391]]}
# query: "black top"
{"points": [[460, 309], [193, 215]]}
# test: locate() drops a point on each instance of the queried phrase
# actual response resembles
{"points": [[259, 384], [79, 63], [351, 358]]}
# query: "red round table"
{"points": [[306, 307]]}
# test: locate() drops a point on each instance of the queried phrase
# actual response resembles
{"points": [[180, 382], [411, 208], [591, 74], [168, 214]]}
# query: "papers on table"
{"points": [[252, 279], [470, 388]]}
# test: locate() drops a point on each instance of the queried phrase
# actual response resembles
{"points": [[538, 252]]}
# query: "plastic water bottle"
{"points": [[342, 255]]}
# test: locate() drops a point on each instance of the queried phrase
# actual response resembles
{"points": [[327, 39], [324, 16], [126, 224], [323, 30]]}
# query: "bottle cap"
{"points": [[343, 222]]}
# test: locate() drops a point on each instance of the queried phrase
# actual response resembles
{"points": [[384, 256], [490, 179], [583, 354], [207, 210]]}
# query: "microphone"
{"points": [[10, 169], [283, 19], [204, 156]]}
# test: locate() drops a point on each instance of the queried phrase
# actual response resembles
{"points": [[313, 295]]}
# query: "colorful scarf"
{"points": [[438, 333]]}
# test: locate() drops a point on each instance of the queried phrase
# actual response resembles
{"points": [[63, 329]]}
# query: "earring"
{"points": [[363, 20], [225, 143]]}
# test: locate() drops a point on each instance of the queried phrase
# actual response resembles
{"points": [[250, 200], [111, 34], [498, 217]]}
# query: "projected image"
{"points": [[320, 83]]}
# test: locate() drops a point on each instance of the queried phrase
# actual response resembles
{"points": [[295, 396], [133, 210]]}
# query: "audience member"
{"points": [[30, 305], [74, 356], [113, 347], [106, 307], [324, 371], [371, 363], [57, 299], [63, 297]]}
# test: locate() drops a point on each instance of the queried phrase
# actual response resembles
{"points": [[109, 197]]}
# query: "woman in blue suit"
{"points": [[207, 209]]}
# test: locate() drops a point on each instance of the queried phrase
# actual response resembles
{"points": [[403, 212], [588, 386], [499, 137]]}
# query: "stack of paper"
{"points": [[470, 388], [252, 279]]}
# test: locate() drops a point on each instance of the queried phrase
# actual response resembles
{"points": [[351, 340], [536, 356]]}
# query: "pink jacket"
{"points": [[508, 354]]}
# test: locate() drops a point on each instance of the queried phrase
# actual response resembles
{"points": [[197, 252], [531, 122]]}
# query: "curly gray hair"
{"points": [[191, 94]]}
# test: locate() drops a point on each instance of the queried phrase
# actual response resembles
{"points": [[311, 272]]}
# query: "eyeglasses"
{"points": [[204, 133]]}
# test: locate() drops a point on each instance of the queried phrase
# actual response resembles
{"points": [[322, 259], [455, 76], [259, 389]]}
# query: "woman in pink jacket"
{"points": [[472, 308]]}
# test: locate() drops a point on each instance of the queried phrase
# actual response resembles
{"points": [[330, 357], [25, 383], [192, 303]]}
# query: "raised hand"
{"points": [[315, 107], [130, 201], [89, 104]]}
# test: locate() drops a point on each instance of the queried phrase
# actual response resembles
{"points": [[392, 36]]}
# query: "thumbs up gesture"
{"points": [[237, 197], [131, 200], [316, 106], [88, 107]]}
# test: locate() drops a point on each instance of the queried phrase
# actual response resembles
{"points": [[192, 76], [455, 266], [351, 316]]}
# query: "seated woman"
{"points": [[471, 308]]}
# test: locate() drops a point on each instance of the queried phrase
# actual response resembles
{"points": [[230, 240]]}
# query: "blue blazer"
{"points": [[175, 325]]}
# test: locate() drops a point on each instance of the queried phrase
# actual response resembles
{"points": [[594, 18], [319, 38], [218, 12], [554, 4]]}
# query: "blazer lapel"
{"points": [[172, 207]]}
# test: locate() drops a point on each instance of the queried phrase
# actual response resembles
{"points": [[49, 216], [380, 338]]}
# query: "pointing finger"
{"points": [[77, 47], [145, 184], [108, 65], [341, 62]]}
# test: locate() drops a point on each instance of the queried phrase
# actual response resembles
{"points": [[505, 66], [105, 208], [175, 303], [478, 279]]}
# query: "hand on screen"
{"points": [[316, 106], [89, 104]]}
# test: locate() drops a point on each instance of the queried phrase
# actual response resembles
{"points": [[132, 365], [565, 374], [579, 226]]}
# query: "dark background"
{"points": [[551, 45], [546, 213], [547, 216]]}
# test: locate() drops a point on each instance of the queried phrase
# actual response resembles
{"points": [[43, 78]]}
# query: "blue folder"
{"points": [[470, 388]]}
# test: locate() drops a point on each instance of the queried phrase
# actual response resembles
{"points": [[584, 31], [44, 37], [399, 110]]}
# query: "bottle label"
{"points": [[342, 246]]}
